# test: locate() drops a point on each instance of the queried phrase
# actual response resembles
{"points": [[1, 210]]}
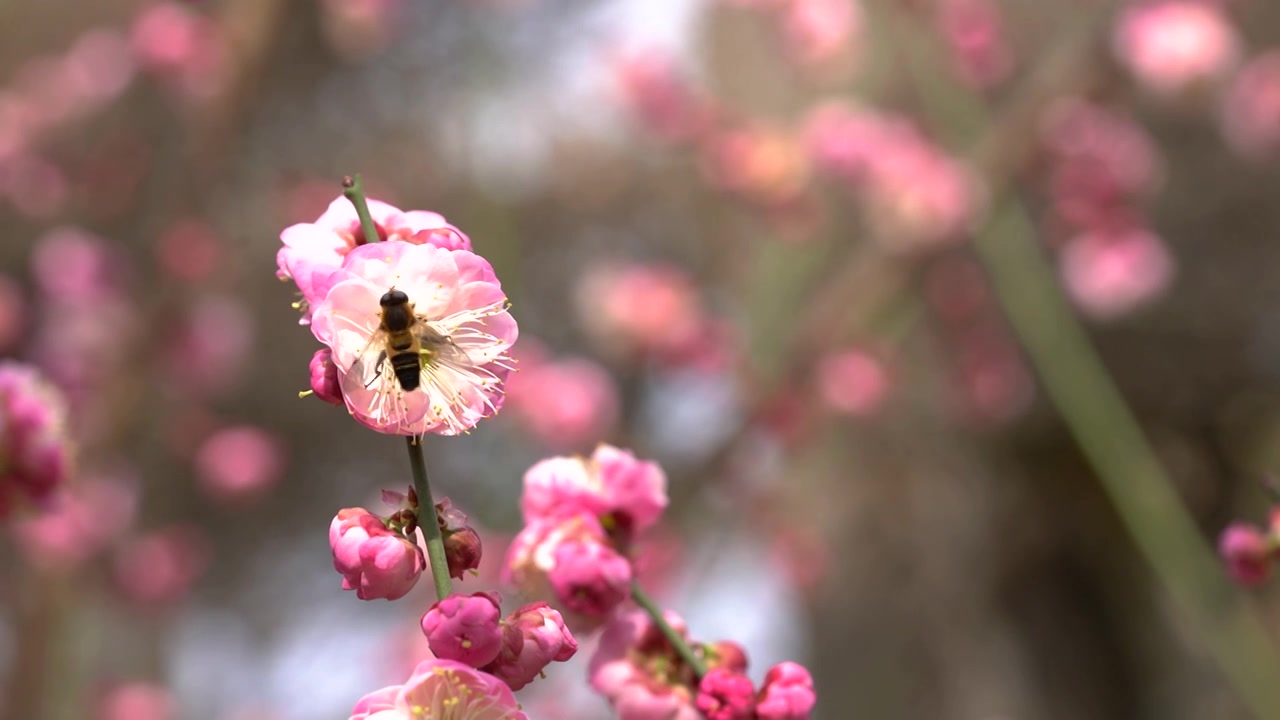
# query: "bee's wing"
{"points": [[441, 346], [371, 365]]}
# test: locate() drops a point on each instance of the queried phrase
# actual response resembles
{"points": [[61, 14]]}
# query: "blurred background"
{"points": [[837, 265]]}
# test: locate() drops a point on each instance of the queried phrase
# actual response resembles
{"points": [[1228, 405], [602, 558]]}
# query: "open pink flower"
{"points": [[570, 557], [461, 325], [626, 493], [313, 252], [374, 561], [442, 689], [1171, 45]]}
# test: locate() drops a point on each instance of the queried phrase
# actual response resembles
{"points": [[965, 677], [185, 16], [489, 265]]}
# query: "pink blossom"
{"points": [[639, 673], [534, 637], [313, 252], [324, 377], [1110, 274], [99, 67], [79, 523], [210, 349], [786, 694], [565, 403], [1171, 45], [651, 87], [33, 437], [240, 462], [852, 382], [465, 628], [442, 689], [844, 140], [726, 695], [162, 566], [181, 46], [1247, 552], [1251, 109], [917, 197], [460, 320], [762, 165], [612, 484], [819, 30], [641, 309], [374, 561], [532, 553], [589, 577], [136, 701], [974, 30]]}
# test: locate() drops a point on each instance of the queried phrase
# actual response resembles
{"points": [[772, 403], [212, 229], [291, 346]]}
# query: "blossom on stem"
{"points": [[462, 329], [534, 636], [374, 561], [639, 672], [442, 689], [35, 454], [726, 695], [324, 377], [569, 556], [627, 494], [786, 694], [465, 628], [462, 548]]}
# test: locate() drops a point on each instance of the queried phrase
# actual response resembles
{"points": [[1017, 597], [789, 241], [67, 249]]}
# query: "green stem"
{"points": [[686, 651], [353, 190], [427, 520]]}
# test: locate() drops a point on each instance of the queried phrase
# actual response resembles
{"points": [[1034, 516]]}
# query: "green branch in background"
{"points": [[1081, 389]]}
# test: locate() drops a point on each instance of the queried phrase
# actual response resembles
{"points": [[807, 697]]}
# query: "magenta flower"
{"points": [[312, 252], [1247, 553], [461, 324], [627, 494], [787, 693], [639, 673], [589, 577], [535, 636], [465, 628], [374, 561], [35, 458], [442, 689], [726, 695]]}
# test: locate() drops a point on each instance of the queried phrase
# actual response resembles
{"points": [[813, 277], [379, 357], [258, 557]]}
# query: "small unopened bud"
{"points": [[324, 377], [726, 654], [465, 628], [726, 695], [1247, 553]]}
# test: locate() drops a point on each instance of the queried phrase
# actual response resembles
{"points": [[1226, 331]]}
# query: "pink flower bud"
{"points": [[589, 577], [727, 654], [465, 628], [33, 442], [373, 560], [787, 693], [1246, 552], [324, 377], [726, 695], [535, 636]]}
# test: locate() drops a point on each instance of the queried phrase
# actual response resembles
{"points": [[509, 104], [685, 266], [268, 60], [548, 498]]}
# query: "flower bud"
{"points": [[726, 695], [534, 637], [324, 377], [1246, 552], [465, 628], [374, 561], [787, 693], [34, 451], [589, 577], [727, 654], [462, 547]]}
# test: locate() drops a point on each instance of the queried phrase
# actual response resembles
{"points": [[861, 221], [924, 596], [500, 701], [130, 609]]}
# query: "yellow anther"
{"points": [[305, 393]]}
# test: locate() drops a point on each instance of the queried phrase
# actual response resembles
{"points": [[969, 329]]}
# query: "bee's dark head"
{"points": [[393, 297]]}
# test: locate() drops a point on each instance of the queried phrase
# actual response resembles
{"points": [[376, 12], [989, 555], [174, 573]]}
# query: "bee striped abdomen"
{"points": [[408, 369]]}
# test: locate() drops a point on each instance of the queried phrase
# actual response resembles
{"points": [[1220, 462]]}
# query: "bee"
{"points": [[407, 346]]}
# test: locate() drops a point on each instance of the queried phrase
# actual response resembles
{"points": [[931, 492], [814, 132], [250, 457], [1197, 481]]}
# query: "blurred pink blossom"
{"points": [[653, 89], [844, 139], [995, 385], [462, 546], [357, 29], [641, 309], [534, 636], [239, 463], [974, 31], [726, 695], [1109, 274], [457, 299], [181, 46], [1247, 552], [1251, 109], [442, 689], [465, 628], [1173, 45], [99, 67], [375, 561], [852, 381], [210, 350], [589, 577], [566, 402], [13, 313], [639, 673], [190, 250], [161, 567], [136, 701], [786, 694], [918, 197], [612, 485], [34, 446], [532, 556], [80, 523], [764, 166], [819, 30]]}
